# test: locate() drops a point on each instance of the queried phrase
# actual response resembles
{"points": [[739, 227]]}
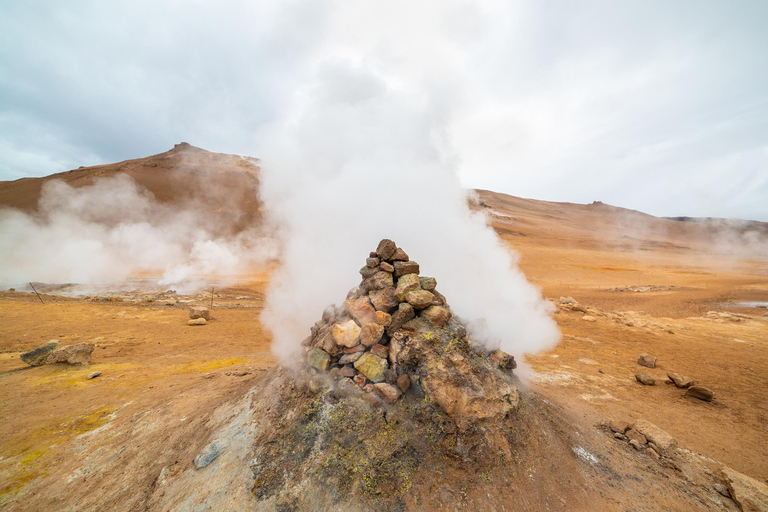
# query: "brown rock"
{"points": [[405, 284], [678, 381], [419, 299], [319, 359], [348, 371], [701, 393], [503, 360], [199, 312], [436, 315], [355, 349], [386, 267], [383, 318], [367, 272], [349, 359], [428, 283], [380, 280], [390, 377], [403, 382], [380, 351], [386, 249], [636, 445], [750, 495], [372, 262], [73, 354], [361, 310], [665, 443], [634, 435], [406, 267], [368, 388], [384, 299], [359, 380], [346, 334], [399, 255], [197, 321], [403, 314], [388, 392], [373, 254], [647, 360], [618, 426], [371, 333], [646, 379]]}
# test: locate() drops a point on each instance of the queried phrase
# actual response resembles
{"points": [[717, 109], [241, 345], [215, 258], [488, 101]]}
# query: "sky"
{"points": [[656, 106]]}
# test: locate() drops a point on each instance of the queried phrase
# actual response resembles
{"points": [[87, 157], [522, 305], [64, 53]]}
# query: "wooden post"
{"points": [[38, 295], [211, 297]]}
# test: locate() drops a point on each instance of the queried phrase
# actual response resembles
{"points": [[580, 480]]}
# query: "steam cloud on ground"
{"points": [[108, 231]]}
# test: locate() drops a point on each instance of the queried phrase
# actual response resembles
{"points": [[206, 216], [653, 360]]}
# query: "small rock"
{"points": [[368, 388], [403, 382], [384, 300], [678, 381], [419, 299], [635, 444], [383, 318], [199, 312], [428, 283], [503, 360], [406, 267], [319, 358], [348, 371], [349, 359], [372, 262], [379, 281], [388, 392], [209, 454], [721, 490], [37, 357], [436, 315], [380, 351], [197, 321], [635, 435], [399, 255], [386, 267], [386, 249], [646, 379], [701, 393], [93, 375], [346, 334], [390, 377], [403, 314], [405, 284], [618, 426], [354, 350], [665, 443], [371, 333], [372, 366], [359, 380], [619, 436], [588, 318], [360, 310], [73, 354], [647, 360], [367, 272]]}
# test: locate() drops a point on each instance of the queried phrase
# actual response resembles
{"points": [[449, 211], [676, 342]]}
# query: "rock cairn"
{"points": [[395, 331]]}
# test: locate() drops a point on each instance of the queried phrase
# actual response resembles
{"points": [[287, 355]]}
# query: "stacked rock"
{"points": [[353, 341]]}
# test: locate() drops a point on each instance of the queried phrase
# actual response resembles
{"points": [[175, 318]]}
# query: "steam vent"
{"points": [[390, 386]]}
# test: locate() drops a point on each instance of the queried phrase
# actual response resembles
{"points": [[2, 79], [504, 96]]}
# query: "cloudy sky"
{"points": [[657, 106]]}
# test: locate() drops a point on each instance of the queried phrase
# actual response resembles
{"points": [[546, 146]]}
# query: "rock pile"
{"points": [[642, 435], [395, 332]]}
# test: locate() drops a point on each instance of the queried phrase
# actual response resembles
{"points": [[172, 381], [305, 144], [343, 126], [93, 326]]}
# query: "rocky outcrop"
{"points": [[73, 354], [37, 357]]}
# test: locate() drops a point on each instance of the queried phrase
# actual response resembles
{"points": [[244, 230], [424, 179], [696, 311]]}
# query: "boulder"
{"points": [[319, 359], [428, 283], [73, 354], [386, 249], [361, 310], [405, 284], [646, 379], [406, 267], [647, 360], [665, 443], [372, 366], [384, 299], [346, 334], [436, 315], [383, 318], [419, 299], [199, 312], [701, 393], [404, 313], [371, 333], [388, 392], [37, 356], [678, 381], [750, 495], [197, 321]]}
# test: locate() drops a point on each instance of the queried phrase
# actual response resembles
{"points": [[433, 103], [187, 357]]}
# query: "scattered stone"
{"points": [[361, 310], [372, 366], [371, 333], [618, 426], [93, 375], [750, 495], [197, 321], [386, 249], [701, 393], [403, 314], [346, 334], [678, 381], [37, 356], [399, 255], [428, 283], [406, 267], [405, 284], [646, 379], [436, 315], [209, 454], [383, 318], [665, 443], [372, 262], [419, 299], [384, 300], [588, 318], [647, 360], [386, 267], [199, 312], [380, 351], [388, 392], [348, 371], [73, 354], [403, 382], [635, 435], [319, 358]]}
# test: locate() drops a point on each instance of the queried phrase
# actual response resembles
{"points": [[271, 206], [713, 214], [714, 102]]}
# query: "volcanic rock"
{"points": [[350, 358], [503, 360], [348, 371], [386, 249], [403, 314], [403, 382], [419, 299], [665, 443], [367, 272], [372, 262], [436, 315], [319, 359], [428, 283], [750, 495], [199, 312], [405, 284], [371, 333], [73, 354], [197, 321], [384, 299], [701, 393], [380, 351], [406, 267], [646, 379], [399, 255], [361, 310], [209, 454], [678, 381], [383, 319], [647, 360], [635, 435], [379, 281], [372, 366], [388, 392], [37, 357], [93, 375], [346, 334], [386, 267]]}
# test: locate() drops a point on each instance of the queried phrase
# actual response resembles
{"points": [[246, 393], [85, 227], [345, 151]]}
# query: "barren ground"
{"points": [[68, 443]]}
